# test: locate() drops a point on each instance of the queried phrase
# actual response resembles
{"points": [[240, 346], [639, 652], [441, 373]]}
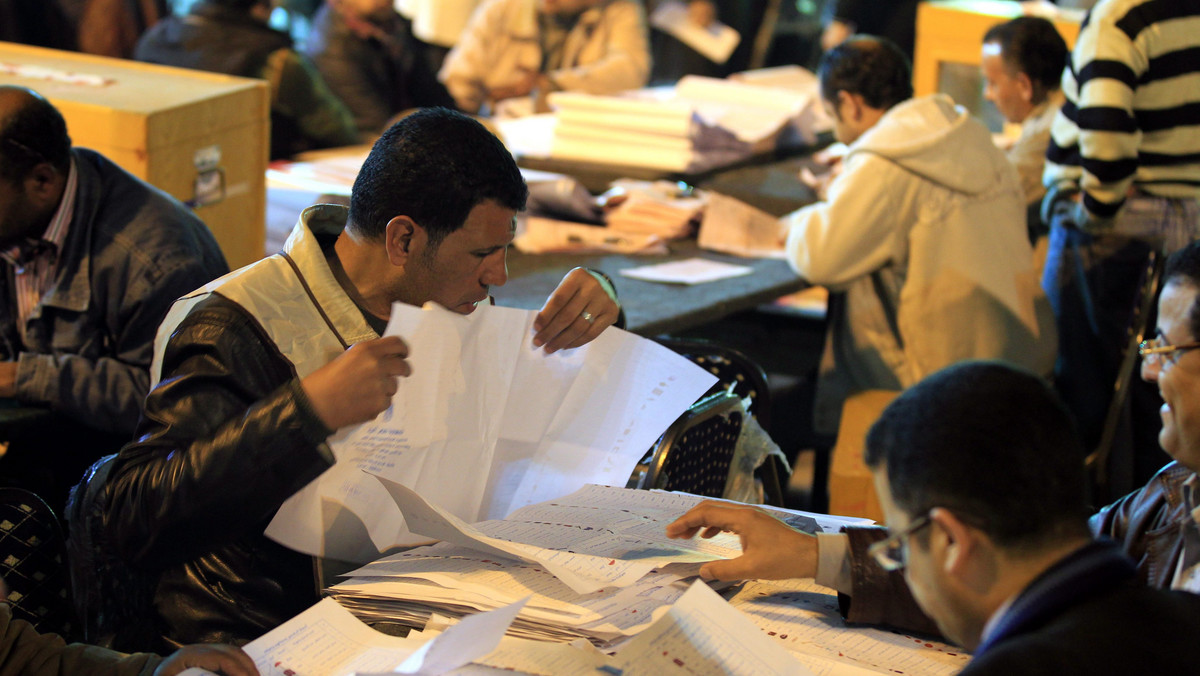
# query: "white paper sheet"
{"points": [[468, 640], [488, 423], [327, 639], [583, 573], [688, 271], [732, 226], [702, 634], [803, 617], [716, 41]]}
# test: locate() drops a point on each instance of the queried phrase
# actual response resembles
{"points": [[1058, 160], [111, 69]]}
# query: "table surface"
{"points": [[653, 308]]}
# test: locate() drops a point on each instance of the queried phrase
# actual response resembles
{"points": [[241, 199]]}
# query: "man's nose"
{"points": [[1150, 371], [495, 272]]}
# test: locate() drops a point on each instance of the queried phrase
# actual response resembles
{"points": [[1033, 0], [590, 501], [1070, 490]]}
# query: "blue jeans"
{"points": [[1091, 281]]}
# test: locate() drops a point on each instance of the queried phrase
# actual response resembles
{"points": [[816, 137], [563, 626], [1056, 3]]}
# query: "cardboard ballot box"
{"points": [[202, 137]]}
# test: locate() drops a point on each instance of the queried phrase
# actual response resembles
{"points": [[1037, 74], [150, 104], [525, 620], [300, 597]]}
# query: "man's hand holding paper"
{"points": [[359, 384], [578, 310]]}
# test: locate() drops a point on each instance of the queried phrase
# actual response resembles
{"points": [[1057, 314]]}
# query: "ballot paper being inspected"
{"points": [[488, 423]]}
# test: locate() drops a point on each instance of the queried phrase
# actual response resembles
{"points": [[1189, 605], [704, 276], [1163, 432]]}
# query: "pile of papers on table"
{"points": [[699, 124], [595, 564]]}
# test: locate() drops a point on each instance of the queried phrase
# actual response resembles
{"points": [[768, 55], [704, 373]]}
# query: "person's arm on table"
{"points": [[772, 550], [854, 232], [231, 433], [583, 305], [25, 651], [303, 96], [465, 69]]}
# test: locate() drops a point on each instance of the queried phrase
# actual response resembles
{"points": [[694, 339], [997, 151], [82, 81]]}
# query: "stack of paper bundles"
{"points": [[588, 531], [703, 123], [615, 525], [623, 130], [641, 214], [410, 587]]}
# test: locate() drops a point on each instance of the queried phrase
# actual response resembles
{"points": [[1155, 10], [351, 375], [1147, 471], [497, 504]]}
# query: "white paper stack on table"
{"points": [[699, 124], [624, 528]]}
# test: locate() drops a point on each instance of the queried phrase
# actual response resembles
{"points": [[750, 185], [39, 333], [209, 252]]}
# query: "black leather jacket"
{"points": [[227, 436]]}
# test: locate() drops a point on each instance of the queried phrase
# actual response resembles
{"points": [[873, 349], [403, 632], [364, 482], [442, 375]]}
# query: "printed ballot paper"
{"points": [[487, 423]]}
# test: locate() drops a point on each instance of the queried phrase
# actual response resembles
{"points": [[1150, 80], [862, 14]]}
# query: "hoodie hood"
{"points": [[938, 141]]}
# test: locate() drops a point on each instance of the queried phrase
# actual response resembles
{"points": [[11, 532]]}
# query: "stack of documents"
{"points": [[595, 564], [700, 633], [699, 124], [666, 219]]}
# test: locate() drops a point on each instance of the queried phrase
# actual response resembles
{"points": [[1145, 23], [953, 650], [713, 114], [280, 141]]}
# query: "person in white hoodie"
{"points": [[921, 237]]}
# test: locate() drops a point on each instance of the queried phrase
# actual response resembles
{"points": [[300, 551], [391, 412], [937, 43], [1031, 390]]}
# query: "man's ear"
{"points": [[852, 105], [953, 540], [44, 184], [1025, 86], [402, 236]]}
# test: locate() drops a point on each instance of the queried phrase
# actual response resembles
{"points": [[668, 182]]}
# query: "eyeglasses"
{"points": [[892, 553], [1158, 352]]}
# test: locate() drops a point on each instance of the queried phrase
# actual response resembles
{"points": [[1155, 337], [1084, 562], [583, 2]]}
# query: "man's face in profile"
{"points": [[458, 273], [1011, 92]]}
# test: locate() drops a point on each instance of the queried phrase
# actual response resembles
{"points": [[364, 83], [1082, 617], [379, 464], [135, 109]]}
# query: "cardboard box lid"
{"points": [[134, 105]]}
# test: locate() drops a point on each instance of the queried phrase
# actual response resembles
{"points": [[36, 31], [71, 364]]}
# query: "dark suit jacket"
{"points": [[1090, 615]]}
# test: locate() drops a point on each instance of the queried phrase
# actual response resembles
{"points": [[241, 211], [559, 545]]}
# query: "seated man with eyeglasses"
{"points": [[993, 544]]}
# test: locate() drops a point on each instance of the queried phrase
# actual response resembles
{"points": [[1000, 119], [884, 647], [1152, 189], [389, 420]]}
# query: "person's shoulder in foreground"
{"points": [[25, 652], [981, 480]]}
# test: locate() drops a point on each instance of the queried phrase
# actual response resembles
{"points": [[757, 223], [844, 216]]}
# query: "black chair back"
{"points": [[696, 452], [33, 563], [735, 373]]}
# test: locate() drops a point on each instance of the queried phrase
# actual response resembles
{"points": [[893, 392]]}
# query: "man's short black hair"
{"points": [[1184, 267], [1031, 45], [872, 67], [32, 134], [992, 444], [433, 166]]}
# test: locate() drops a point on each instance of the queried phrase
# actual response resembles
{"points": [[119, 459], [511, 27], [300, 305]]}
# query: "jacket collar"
{"points": [[1090, 570], [303, 247], [72, 289]]}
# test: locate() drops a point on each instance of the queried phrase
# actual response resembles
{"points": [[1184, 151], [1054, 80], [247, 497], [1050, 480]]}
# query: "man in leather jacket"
{"points": [[257, 369], [1155, 525]]}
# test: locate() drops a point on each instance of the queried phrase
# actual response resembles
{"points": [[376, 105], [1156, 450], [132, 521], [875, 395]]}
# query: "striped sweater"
{"points": [[1132, 115]]}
